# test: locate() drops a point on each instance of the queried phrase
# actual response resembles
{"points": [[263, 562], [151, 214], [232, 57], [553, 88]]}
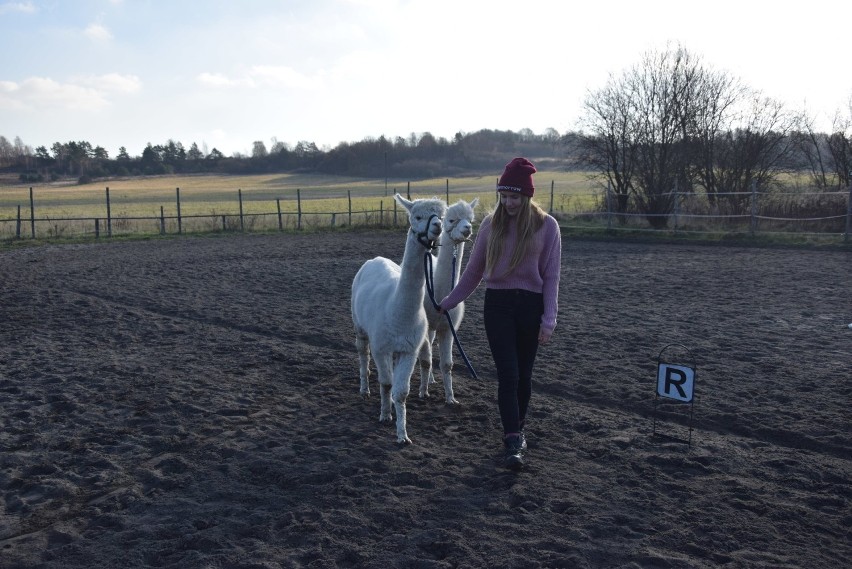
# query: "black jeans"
{"points": [[512, 321]]}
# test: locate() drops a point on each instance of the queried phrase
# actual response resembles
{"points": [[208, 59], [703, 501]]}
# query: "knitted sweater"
{"points": [[538, 272]]}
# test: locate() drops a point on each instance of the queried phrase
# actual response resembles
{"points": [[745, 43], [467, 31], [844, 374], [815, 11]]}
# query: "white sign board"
{"points": [[675, 382]]}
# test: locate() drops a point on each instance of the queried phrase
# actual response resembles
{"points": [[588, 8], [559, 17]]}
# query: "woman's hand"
{"points": [[544, 336]]}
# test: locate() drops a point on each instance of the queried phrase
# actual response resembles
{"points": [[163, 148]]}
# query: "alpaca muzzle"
{"points": [[428, 237]]}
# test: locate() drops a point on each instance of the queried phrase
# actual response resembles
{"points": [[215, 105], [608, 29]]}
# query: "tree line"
{"points": [[417, 156]]}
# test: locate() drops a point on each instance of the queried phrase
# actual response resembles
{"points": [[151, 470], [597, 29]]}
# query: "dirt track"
{"points": [[194, 403]]}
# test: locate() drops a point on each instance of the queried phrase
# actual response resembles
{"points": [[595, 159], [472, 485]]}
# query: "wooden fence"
{"points": [[830, 218]]}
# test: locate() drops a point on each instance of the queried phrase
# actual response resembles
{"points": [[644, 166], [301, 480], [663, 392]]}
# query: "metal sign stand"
{"points": [[675, 382]]}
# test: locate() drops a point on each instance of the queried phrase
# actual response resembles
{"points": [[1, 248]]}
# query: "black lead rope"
{"points": [[430, 288]]}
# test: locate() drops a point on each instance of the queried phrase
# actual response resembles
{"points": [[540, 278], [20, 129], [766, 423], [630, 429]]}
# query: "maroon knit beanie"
{"points": [[517, 177]]}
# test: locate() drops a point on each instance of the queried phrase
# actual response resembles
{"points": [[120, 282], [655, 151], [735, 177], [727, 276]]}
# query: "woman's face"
{"points": [[512, 201]]}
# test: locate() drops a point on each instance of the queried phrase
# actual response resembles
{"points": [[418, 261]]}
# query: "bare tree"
{"points": [[714, 110], [7, 151], [664, 87], [754, 149], [671, 124], [258, 149], [637, 130], [840, 146], [812, 150], [606, 140]]}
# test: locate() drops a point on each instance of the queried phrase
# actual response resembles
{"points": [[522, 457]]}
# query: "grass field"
{"points": [[219, 195], [146, 206]]}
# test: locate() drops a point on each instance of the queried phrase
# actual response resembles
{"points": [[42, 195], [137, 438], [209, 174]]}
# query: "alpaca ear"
{"points": [[474, 202], [403, 202]]}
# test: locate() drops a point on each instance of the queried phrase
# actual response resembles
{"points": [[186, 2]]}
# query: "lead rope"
{"points": [[430, 288]]}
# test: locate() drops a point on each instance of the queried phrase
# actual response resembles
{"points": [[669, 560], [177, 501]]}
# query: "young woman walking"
{"points": [[518, 252]]}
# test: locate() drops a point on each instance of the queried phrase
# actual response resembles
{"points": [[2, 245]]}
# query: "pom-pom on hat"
{"points": [[517, 177]]}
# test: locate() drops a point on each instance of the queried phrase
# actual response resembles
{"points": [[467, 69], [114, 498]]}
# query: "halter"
{"points": [[423, 237]]}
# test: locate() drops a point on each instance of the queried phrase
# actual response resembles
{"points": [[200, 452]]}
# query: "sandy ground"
{"points": [[194, 403]]}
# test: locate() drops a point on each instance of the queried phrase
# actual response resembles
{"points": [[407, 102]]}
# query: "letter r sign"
{"points": [[675, 382]]}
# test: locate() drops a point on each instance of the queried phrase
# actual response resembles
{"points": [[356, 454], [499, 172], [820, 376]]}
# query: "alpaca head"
{"points": [[425, 217], [458, 223]]}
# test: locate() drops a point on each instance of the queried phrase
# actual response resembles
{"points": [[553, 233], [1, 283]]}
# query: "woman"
{"points": [[518, 253]]}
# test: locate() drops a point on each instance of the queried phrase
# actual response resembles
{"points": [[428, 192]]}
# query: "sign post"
{"points": [[675, 384]]}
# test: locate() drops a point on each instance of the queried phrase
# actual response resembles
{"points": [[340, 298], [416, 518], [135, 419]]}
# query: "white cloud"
{"points": [[44, 93], [22, 7], [263, 76], [97, 32], [221, 80], [91, 93], [9, 100], [282, 76], [115, 82]]}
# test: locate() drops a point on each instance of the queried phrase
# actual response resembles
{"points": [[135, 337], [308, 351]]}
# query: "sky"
{"points": [[226, 73]]}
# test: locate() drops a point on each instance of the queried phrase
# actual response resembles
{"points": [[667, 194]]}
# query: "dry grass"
{"points": [[219, 194]]}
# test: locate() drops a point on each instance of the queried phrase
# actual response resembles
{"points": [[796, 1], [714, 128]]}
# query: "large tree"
{"points": [[670, 125], [637, 129]]}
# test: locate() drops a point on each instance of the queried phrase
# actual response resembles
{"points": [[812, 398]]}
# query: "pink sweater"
{"points": [[538, 272]]}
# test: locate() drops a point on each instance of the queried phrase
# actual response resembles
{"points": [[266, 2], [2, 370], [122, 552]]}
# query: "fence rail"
{"points": [[825, 214]]}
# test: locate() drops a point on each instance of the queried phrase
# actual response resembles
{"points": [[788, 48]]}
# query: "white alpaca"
{"points": [[388, 314], [458, 227]]}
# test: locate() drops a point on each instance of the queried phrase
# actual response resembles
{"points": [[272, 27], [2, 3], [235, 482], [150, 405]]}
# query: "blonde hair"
{"points": [[530, 219]]}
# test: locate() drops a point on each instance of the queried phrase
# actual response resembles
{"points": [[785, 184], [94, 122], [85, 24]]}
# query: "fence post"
{"points": [[608, 205], [109, 215], [18, 225], [753, 207], [333, 219], [448, 191], [299, 208], [848, 215], [381, 212], [224, 224], [278, 206], [242, 223], [180, 221], [394, 212], [97, 228], [408, 191], [349, 197], [551, 196], [32, 212], [162, 221], [676, 205]]}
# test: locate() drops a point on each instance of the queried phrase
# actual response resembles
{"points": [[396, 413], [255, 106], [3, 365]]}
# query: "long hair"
{"points": [[530, 218]]}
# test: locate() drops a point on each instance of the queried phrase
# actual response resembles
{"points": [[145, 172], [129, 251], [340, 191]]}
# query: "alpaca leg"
{"points": [[445, 345], [431, 340], [363, 346], [426, 376], [385, 376], [399, 393], [385, 413]]}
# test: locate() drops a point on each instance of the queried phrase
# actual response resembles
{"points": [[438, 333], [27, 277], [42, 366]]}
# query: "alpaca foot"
{"points": [[404, 441], [365, 393], [424, 393], [452, 401], [385, 418]]}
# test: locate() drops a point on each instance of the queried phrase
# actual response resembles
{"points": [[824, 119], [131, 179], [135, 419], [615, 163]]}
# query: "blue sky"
{"points": [[225, 73]]}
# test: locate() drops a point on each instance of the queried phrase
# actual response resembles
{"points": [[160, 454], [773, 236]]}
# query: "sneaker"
{"points": [[523, 441], [514, 457]]}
